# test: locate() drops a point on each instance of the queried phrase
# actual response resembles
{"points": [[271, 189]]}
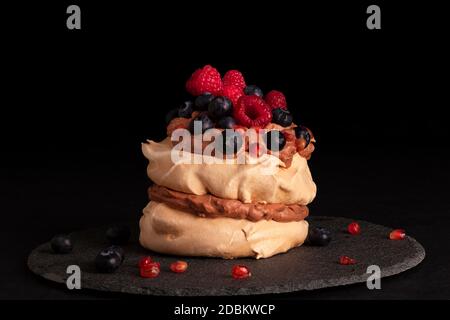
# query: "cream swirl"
{"points": [[244, 182]]}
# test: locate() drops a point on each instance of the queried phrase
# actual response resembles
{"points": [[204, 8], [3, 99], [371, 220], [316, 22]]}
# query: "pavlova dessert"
{"points": [[231, 179]]}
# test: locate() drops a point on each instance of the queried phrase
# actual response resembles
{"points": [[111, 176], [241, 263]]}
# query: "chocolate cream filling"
{"points": [[210, 206]]}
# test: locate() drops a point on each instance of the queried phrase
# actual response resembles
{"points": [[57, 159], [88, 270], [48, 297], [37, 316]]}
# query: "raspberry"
{"points": [[354, 228], [233, 93], [240, 272], [178, 266], [234, 78], [252, 111], [397, 234], [276, 99], [206, 79]]}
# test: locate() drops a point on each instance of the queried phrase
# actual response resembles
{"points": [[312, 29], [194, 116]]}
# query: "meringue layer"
{"points": [[172, 231], [249, 182]]}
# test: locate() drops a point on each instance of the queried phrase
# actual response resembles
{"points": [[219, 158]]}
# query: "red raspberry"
{"points": [[233, 93], [276, 99], [206, 79], [234, 78], [252, 111]]}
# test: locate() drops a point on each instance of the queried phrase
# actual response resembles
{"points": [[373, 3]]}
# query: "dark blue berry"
{"points": [[275, 140], [118, 234], [219, 107], [61, 244], [302, 132], [119, 250], [253, 90], [171, 114], [201, 102], [108, 260], [229, 143], [226, 123], [281, 117], [185, 110], [318, 237], [206, 123]]}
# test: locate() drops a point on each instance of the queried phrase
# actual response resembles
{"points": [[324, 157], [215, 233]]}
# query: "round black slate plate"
{"points": [[303, 268]]}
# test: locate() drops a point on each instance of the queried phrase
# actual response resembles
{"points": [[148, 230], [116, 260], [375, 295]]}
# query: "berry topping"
{"points": [[118, 234], [276, 99], [179, 266], [61, 243], [240, 272], [344, 260], [318, 237], [397, 234], [202, 101], [302, 132], [203, 122], [231, 141], [145, 261], [108, 260], [233, 93], [354, 228], [252, 111], [234, 78], [219, 107], [185, 110], [206, 79], [275, 140], [282, 117], [256, 150], [253, 90], [150, 270], [171, 115], [226, 123]]}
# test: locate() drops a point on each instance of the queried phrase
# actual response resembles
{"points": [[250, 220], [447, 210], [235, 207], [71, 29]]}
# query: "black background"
{"points": [[77, 104]]}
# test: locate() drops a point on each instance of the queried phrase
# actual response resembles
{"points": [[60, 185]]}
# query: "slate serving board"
{"points": [[303, 268]]}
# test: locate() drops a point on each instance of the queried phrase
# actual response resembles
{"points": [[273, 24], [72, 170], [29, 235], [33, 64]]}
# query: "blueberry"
{"points": [[108, 260], [171, 114], [185, 110], [230, 143], [201, 102], [206, 123], [275, 140], [119, 251], [118, 234], [282, 117], [302, 132], [226, 123], [253, 90], [318, 237], [219, 107], [61, 243]]}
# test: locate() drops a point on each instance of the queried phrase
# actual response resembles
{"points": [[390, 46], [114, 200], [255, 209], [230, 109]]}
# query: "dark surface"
{"points": [[304, 268]]}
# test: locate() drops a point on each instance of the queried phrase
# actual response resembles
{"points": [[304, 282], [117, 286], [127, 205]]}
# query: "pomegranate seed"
{"points": [[397, 234], [354, 228], [145, 261], [151, 270], [344, 260], [179, 266], [240, 272]]}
